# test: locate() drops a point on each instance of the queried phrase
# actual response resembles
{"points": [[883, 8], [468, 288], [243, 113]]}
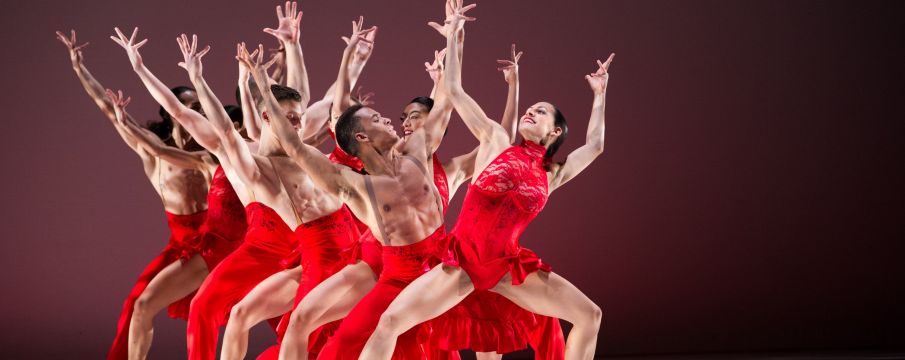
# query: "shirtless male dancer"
{"points": [[407, 226], [181, 180]]}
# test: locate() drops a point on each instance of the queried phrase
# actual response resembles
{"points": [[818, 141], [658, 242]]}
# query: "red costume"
{"points": [[504, 199], [401, 265], [190, 234], [267, 241]]}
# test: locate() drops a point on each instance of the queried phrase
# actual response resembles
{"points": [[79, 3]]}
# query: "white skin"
{"points": [[335, 297], [543, 293], [272, 179], [407, 220], [220, 138], [180, 178]]}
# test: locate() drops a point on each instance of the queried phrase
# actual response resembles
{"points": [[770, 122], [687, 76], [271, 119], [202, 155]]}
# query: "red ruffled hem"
{"points": [[487, 274], [319, 337], [484, 322]]}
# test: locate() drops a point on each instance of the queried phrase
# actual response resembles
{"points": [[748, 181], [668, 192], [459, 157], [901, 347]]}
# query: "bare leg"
{"points": [[174, 282], [488, 356], [552, 295], [425, 298], [330, 300], [270, 298]]}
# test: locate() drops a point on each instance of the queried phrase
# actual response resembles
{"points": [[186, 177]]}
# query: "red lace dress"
{"points": [[503, 200]]}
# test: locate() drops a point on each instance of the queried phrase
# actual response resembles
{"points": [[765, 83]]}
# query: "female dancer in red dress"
{"points": [[510, 191]]}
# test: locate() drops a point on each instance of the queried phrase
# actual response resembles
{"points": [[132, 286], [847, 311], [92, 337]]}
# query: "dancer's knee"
{"points": [[239, 315], [593, 315], [142, 306], [390, 324], [301, 319]]}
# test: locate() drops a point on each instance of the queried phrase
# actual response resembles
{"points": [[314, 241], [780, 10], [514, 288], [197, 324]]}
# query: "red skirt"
{"points": [[402, 265], [183, 228]]}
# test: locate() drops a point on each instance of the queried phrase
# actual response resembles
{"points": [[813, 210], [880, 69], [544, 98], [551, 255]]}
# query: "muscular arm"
{"points": [[150, 142], [579, 159], [484, 129], [239, 156], [288, 35], [193, 122], [335, 179], [251, 120], [350, 68], [510, 114]]}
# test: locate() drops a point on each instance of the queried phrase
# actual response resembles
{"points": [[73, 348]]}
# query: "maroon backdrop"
{"points": [[750, 196]]}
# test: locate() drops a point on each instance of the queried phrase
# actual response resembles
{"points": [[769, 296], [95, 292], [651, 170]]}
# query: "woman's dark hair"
{"points": [[346, 126], [162, 128], [235, 113], [176, 91], [560, 122], [424, 100]]}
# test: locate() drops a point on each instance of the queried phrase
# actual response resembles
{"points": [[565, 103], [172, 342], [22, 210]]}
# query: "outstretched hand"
{"points": [[253, 62], [455, 17], [510, 67], [191, 55], [435, 69], [598, 80], [119, 104], [361, 39], [289, 23], [75, 51], [130, 46]]}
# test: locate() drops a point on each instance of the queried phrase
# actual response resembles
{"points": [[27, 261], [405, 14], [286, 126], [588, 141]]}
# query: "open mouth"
{"points": [[529, 120], [407, 132]]}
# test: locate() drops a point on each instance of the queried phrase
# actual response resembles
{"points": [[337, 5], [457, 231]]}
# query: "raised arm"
{"points": [[193, 122], [342, 91], [579, 159], [250, 118], [317, 123], [336, 179], [510, 114], [94, 88], [288, 35], [483, 128], [150, 142], [238, 155]]}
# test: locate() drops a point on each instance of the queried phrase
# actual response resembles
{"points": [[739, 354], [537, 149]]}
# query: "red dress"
{"points": [[504, 199], [325, 246], [223, 228], [401, 265], [267, 241], [183, 228]]}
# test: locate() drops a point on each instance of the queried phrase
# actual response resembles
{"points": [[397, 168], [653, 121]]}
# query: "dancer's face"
{"points": [[378, 129], [538, 123], [413, 117], [292, 110]]}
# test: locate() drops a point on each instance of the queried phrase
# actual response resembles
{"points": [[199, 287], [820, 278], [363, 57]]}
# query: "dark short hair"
{"points": [[424, 100], [176, 91], [560, 122], [347, 125], [282, 93], [235, 113], [162, 128]]}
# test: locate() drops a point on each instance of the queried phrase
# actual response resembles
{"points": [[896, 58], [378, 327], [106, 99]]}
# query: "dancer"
{"points": [[511, 190], [407, 226], [336, 296], [181, 180]]}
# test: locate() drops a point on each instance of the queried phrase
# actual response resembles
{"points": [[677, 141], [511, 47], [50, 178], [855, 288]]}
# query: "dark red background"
{"points": [[750, 196]]}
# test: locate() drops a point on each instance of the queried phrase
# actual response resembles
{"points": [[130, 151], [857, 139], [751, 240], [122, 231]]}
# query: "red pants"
{"points": [[183, 228], [230, 281], [322, 249], [401, 266]]}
